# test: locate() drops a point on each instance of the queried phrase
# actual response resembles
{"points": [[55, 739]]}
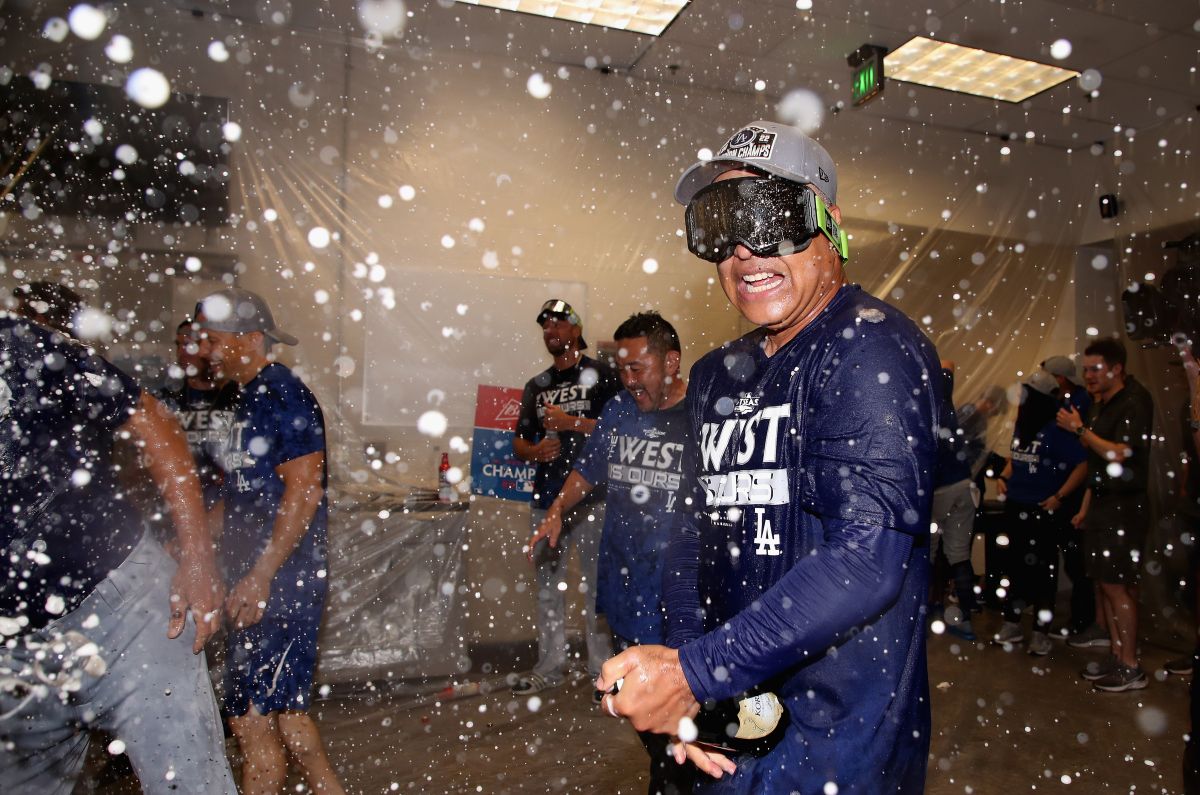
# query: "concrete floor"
{"points": [[1003, 722]]}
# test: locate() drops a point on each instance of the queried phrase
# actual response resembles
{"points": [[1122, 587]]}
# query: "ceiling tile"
{"points": [[749, 28], [1028, 28]]}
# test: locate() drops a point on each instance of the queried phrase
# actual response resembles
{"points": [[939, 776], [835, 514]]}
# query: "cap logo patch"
{"points": [[821, 173], [751, 143]]}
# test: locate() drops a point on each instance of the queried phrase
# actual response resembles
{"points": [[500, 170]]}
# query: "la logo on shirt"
{"points": [[740, 458]]}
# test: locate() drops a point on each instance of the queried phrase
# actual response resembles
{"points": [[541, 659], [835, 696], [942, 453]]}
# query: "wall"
{"points": [[575, 186]]}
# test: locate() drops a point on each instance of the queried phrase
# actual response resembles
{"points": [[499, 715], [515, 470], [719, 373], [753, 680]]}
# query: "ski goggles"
{"points": [[771, 217]]}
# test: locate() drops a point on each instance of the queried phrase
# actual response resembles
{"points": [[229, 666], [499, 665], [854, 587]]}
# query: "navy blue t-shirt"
{"points": [[973, 427], [66, 523], [1042, 464], [581, 390], [639, 457], [205, 421], [276, 419], [812, 498]]}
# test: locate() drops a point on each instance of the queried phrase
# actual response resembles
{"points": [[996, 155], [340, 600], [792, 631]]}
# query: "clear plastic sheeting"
{"points": [[393, 610]]}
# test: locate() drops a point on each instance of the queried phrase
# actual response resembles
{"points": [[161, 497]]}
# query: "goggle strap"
{"points": [[836, 235]]}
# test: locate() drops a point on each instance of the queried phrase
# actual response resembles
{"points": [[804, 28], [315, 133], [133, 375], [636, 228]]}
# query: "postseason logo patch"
{"points": [[749, 143]]}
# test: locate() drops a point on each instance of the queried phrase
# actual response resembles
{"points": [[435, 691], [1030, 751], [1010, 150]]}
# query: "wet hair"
{"points": [[53, 304], [660, 335], [186, 326], [1111, 351], [998, 396]]}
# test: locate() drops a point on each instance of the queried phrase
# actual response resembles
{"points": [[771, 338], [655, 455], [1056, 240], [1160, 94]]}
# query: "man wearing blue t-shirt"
{"points": [[801, 565], [92, 610], [1043, 486], [195, 397], [272, 545], [636, 452]]}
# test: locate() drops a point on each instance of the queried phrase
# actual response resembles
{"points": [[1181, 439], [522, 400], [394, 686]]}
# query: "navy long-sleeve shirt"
{"points": [[802, 562]]}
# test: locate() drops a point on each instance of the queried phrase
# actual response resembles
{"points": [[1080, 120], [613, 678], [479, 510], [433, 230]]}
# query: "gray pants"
{"points": [[154, 697], [954, 514], [584, 537]]}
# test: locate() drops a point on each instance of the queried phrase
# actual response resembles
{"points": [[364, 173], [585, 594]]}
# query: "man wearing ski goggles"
{"points": [[801, 566], [769, 215]]}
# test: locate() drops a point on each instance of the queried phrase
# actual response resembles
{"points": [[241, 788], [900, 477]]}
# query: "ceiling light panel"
{"points": [[638, 16], [971, 71]]}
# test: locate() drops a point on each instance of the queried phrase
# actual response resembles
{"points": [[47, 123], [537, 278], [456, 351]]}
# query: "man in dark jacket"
{"points": [[801, 566]]}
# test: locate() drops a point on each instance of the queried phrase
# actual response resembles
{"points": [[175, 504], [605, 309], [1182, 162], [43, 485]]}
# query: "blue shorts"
{"points": [[271, 665]]}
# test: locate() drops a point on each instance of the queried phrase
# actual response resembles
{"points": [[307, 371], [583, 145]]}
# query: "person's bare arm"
{"points": [[1069, 419], [196, 585], [1077, 519], [1002, 480], [1074, 481], [302, 494], [539, 452], [216, 519], [556, 419], [573, 492]]}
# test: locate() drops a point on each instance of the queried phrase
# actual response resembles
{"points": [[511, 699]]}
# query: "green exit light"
{"points": [[868, 81]]}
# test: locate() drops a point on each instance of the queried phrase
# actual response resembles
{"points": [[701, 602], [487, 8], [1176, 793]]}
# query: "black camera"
{"points": [[1168, 315]]}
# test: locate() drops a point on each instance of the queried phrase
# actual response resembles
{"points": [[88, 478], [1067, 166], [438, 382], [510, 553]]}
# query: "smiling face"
{"points": [[647, 375], [781, 294], [1101, 379], [190, 350], [235, 356], [559, 334]]}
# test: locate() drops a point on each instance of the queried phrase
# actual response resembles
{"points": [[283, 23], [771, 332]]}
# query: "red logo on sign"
{"points": [[497, 407]]}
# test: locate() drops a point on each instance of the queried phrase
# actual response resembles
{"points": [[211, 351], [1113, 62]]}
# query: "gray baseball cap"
{"points": [[778, 149], [1063, 366], [1043, 382], [240, 311]]}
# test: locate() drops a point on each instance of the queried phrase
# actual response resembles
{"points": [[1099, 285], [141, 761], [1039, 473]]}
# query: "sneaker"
{"points": [[1121, 679], [1010, 633], [534, 683], [1091, 638], [1098, 669], [1180, 666], [962, 629], [1039, 644]]}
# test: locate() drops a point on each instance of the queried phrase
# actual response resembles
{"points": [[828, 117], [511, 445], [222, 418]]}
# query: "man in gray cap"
{"points": [[272, 544], [1064, 371], [1042, 484], [559, 409], [800, 561]]}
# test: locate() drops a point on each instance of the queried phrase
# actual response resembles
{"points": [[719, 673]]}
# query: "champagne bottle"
{"points": [[751, 724]]}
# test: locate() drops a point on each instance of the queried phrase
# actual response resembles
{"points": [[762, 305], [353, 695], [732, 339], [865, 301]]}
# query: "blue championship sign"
{"points": [[495, 471]]}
